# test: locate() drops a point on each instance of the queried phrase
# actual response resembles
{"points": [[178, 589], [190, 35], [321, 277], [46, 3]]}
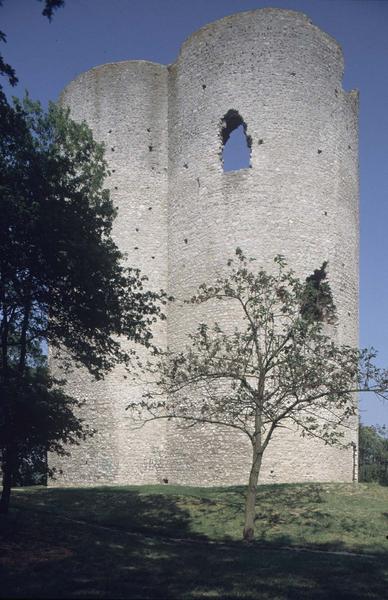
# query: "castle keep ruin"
{"points": [[180, 217]]}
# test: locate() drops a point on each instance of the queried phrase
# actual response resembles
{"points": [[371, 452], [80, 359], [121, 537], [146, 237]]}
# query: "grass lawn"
{"points": [[181, 542]]}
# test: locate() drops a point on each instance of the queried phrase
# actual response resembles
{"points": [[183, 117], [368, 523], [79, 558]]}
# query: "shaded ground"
{"points": [[125, 547]]}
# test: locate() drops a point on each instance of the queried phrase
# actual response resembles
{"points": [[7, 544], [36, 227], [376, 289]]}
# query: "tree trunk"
{"points": [[8, 464], [23, 337], [250, 503]]}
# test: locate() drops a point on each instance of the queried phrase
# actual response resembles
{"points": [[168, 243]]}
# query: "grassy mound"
{"points": [[180, 542]]}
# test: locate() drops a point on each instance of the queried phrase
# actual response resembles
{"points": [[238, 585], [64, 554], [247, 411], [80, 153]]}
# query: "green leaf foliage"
{"points": [[279, 362], [373, 454], [57, 255]]}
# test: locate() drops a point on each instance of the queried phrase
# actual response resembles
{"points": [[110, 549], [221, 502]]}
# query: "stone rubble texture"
{"points": [[180, 217]]}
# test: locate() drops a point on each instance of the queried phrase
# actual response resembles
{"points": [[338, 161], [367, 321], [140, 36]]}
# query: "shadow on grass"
{"points": [[50, 558], [45, 553], [310, 514], [276, 507], [117, 508], [300, 512]]}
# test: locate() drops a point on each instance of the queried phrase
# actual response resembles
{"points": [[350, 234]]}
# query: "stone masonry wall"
{"points": [[299, 198], [125, 104]]}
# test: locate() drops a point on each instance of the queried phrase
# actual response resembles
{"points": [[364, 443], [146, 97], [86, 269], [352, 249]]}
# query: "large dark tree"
{"points": [[62, 277]]}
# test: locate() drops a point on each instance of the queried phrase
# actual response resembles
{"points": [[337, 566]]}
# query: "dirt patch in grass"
{"points": [[22, 555]]}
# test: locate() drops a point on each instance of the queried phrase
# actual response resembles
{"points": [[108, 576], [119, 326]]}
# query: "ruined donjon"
{"points": [[180, 216]]}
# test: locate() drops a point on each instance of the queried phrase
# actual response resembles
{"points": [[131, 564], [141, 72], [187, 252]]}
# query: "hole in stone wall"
{"points": [[236, 143]]}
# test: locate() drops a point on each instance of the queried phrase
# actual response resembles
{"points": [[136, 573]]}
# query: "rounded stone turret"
{"points": [[125, 104], [279, 76], [299, 198]]}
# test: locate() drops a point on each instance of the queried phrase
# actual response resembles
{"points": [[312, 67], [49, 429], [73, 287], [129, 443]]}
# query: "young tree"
{"points": [[62, 277], [278, 366]]}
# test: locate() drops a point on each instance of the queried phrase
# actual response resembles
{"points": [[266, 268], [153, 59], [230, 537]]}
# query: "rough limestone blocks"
{"points": [[181, 217]]}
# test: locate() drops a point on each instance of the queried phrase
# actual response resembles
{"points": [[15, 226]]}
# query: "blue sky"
{"points": [[86, 33]]}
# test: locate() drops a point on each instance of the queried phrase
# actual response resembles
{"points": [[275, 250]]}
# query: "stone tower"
{"points": [[181, 217]]}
